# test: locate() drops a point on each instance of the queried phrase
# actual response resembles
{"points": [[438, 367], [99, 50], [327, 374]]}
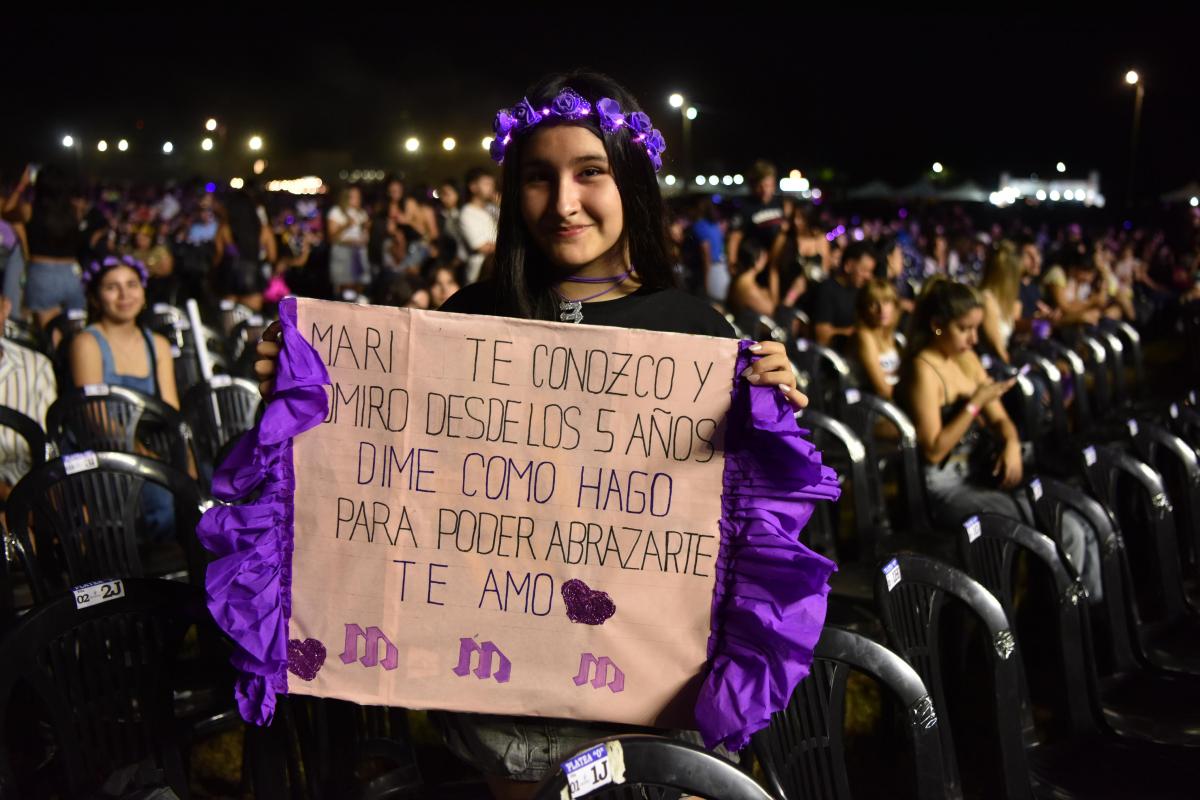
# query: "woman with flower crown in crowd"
{"points": [[581, 239]]}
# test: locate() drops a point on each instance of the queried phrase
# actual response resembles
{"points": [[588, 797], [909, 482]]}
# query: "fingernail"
{"points": [[754, 348], [746, 372], [754, 378], [783, 387]]}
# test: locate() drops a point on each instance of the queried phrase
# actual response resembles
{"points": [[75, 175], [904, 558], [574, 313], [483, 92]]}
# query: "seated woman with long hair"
{"points": [[874, 340]]}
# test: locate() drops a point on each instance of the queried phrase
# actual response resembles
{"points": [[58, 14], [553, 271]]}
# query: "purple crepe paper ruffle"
{"points": [[250, 582], [769, 598]]}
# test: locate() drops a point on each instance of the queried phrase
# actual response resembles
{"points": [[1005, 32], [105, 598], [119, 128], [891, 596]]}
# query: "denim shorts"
{"points": [[531, 748], [50, 285]]}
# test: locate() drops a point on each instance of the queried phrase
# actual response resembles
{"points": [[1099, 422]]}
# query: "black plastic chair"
{"points": [[1061, 355], [29, 430], [77, 524], [1184, 421], [101, 676], [652, 761], [1169, 633], [1178, 465], [898, 458], [217, 411], [1133, 357], [315, 746], [1076, 767], [118, 419], [802, 750], [829, 375], [1067, 672], [23, 334], [62, 327]]}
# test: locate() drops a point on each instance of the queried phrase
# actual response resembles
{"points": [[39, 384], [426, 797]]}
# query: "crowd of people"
{"points": [[918, 299]]}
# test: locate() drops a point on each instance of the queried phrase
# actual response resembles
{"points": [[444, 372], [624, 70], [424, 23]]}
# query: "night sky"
{"points": [[847, 98]]}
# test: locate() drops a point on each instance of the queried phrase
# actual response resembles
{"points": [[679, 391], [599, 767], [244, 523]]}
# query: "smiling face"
{"points": [[120, 295], [570, 203]]}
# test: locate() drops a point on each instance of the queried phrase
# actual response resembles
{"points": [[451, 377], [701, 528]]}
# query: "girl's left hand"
{"points": [[772, 368]]}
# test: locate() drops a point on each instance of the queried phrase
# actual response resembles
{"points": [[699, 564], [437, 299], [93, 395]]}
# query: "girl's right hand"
{"points": [[268, 357], [990, 391]]}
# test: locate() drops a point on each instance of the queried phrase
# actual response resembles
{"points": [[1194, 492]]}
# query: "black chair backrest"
{"points": [[1050, 499], [29, 430], [802, 750], [1060, 354], [845, 452], [62, 327], [652, 761], [75, 518], [863, 411], [230, 314], [1053, 427], [1176, 461], [1133, 359], [1136, 495], [217, 411], [829, 375], [1098, 368], [1115, 358], [114, 418], [910, 593], [23, 334], [102, 674], [246, 334], [1184, 420], [989, 544]]}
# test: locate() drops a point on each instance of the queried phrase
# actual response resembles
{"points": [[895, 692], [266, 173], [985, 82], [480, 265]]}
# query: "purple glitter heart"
{"points": [[305, 658], [586, 605]]}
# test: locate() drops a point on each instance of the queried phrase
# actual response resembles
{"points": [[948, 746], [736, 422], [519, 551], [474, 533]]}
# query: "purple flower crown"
{"points": [[97, 268], [569, 105]]}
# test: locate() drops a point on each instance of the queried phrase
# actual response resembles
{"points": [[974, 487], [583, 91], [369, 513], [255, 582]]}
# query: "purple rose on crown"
{"points": [[504, 123], [640, 123], [655, 161], [496, 149], [525, 114], [655, 142], [571, 105], [610, 114]]}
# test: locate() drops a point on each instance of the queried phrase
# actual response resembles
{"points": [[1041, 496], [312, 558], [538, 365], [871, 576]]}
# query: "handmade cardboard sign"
{"points": [[508, 516]]}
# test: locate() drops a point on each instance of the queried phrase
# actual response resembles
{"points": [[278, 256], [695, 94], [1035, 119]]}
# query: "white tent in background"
{"points": [[875, 190], [969, 192], [1183, 194], [922, 189]]}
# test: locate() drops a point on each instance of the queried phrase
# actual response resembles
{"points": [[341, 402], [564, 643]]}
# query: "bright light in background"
{"points": [[487, 143], [1194, 202], [168, 148], [1068, 195], [207, 144], [448, 143], [670, 181], [1041, 194], [1054, 196], [260, 166], [1061, 167], [211, 125], [306, 185], [101, 145], [738, 179], [937, 167], [676, 100], [236, 183], [816, 194], [68, 141], [793, 184], [712, 180], [727, 180], [691, 113], [700, 180], [412, 144], [256, 143], [210, 187], [1132, 77], [796, 174], [122, 145]]}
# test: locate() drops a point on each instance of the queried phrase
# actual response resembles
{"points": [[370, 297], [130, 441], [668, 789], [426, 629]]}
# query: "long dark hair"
{"points": [[941, 301], [524, 277]]}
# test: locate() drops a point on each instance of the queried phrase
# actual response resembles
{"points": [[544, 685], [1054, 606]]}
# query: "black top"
{"points": [[1030, 294], [54, 233], [760, 221], [663, 310], [834, 303]]}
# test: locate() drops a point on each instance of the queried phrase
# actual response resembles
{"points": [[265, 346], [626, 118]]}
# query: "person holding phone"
{"points": [[954, 405]]}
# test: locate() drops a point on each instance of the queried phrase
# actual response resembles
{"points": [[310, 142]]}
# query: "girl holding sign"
{"points": [[581, 239]]}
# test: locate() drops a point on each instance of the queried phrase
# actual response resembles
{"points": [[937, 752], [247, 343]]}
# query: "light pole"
{"points": [[1135, 80], [686, 115]]}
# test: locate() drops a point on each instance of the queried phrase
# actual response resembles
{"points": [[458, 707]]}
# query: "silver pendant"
{"points": [[570, 311]]}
